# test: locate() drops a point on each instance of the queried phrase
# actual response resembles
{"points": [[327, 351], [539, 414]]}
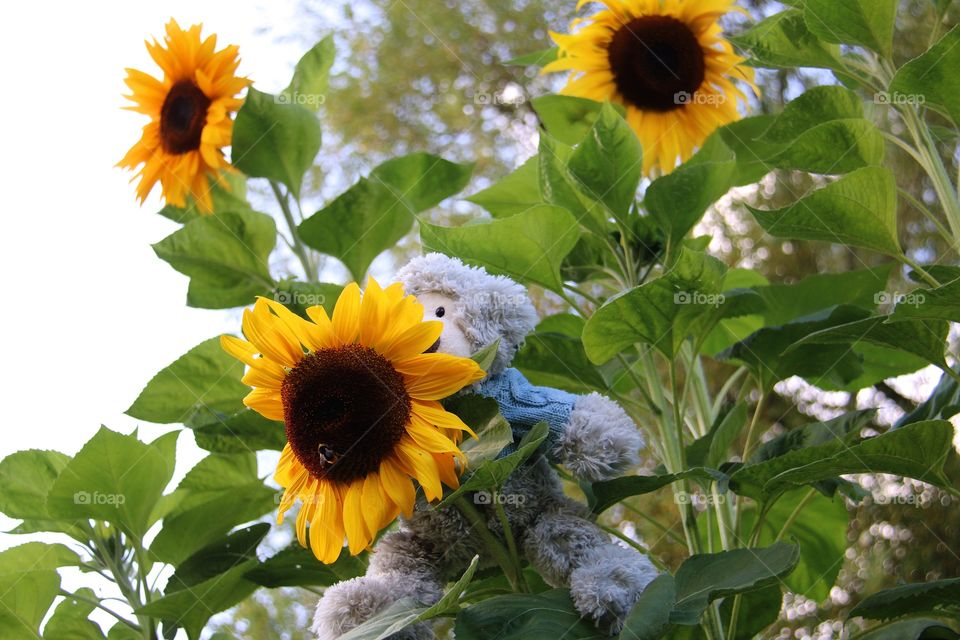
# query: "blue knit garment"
{"points": [[524, 405]]}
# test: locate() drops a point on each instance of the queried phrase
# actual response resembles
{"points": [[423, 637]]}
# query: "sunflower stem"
{"points": [[494, 547], [299, 249], [511, 542]]}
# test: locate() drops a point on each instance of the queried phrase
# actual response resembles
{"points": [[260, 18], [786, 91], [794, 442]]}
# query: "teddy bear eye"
{"points": [[440, 312]]}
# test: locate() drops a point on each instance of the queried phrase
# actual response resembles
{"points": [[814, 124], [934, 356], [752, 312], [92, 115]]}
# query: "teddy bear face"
{"points": [[445, 309]]}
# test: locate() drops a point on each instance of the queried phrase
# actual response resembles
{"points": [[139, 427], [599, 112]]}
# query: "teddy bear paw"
{"points": [[349, 604], [608, 584], [600, 441]]}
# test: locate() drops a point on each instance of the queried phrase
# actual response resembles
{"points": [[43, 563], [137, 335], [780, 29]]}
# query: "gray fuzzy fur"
{"points": [[491, 307], [601, 441], [435, 546]]}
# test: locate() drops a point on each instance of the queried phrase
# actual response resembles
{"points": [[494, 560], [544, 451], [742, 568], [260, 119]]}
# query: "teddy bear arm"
{"points": [[600, 440]]}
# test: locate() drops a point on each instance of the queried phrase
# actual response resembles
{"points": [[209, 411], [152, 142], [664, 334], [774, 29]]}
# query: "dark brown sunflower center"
{"points": [[182, 117], [657, 63], [345, 409]]}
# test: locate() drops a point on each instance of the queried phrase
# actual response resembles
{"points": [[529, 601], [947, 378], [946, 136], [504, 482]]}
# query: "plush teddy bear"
{"points": [[590, 435]]}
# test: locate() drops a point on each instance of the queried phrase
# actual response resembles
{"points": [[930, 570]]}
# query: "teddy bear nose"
{"points": [[433, 348]]}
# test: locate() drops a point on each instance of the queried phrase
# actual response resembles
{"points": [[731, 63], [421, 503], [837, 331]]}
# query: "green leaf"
{"points": [[566, 118], [311, 77], [406, 611], [29, 583], [224, 255], [931, 78], [821, 532], [838, 146], [275, 139], [514, 194], [943, 403], [295, 566], [923, 338], [535, 59], [528, 247], [811, 109], [661, 313], [206, 377], [116, 478], [915, 451], [372, 215], [544, 616], [939, 597], [493, 473], [865, 22], [860, 210], [560, 187], [703, 578], [222, 484], [649, 618], [940, 303], [758, 610], [217, 557], [919, 629], [606, 493], [240, 432], [482, 414], [70, 619], [485, 356], [743, 139], [726, 433], [783, 40], [26, 478], [299, 296], [609, 162], [556, 360], [191, 608]]}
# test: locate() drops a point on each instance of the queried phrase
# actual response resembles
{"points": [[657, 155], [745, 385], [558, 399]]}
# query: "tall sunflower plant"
{"points": [[651, 126]]}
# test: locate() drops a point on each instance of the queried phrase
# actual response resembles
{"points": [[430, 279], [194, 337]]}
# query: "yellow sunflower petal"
{"points": [[346, 314], [397, 484], [358, 537], [326, 528], [434, 376]]}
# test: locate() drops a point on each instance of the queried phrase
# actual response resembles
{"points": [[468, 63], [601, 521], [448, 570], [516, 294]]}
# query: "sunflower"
{"points": [[189, 115], [358, 394], [665, 62]]}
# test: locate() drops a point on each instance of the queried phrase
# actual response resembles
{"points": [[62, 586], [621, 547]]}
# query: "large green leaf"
{"points": [[566, 118], [300, 296], [744, 139], [943, 403], [820, 530], [528, 247], [859, 209], [29, 582], [939, 303], [515, 193], [296, 566], [70, 620], [703, 578], [811, 109], [916, 451], [865, 22], [939, 597], [931, 78], [661, 313], [26, 478], [558, 186], [837, 146], [275, 139], [544, 616], [609, 161], [223, 484], [240, 432], [784, 40], [649, 618], [224, 255], [116, 478], [191, 608], [606, 493], [372, 215], [923, 338], [218, 557], [206, 377], [311, 76]]}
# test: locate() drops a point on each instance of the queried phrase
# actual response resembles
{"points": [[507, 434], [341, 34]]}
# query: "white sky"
{"points": [[90, 312]]}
